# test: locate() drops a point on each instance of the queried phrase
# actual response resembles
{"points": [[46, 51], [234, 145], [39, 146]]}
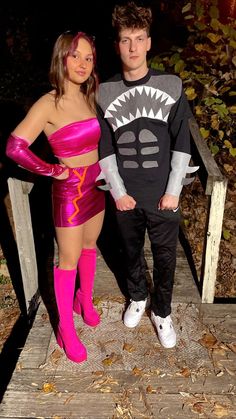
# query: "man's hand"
{"points": [[125, 203], [168, 202]]}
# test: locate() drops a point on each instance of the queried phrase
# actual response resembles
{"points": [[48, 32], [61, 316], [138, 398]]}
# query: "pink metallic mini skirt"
{"points": [[77, 199]]}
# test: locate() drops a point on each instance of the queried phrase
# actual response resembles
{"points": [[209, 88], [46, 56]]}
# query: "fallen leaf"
{"points": [[56, 355], [208, 340], [105, 389], [99, 373], [150, 389], [137, 371], [109, 360], [45, 316], [185, 372], [184, 394], [128, 347], [49, 387], [198, 407], [220, 411]]}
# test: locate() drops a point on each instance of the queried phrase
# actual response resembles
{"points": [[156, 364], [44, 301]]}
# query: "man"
{"points": [[145, 161]]}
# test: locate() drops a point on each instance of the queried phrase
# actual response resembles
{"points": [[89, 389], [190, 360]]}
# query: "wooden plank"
{"points": [[35, 349], [103, 406], [18, 191], [221, 318], [218, 311], [213, 236], [33, 380]]}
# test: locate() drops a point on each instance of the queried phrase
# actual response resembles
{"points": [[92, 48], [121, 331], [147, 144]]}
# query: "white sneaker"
{"points": [[165, 330], [134, 313]]}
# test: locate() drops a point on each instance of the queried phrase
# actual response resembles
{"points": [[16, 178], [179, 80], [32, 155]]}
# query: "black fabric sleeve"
{"points": [[106, 143], [179, 125]]}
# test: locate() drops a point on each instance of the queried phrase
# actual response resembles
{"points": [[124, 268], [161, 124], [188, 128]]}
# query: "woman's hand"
{"points": [[125, 203], [63, 175]]}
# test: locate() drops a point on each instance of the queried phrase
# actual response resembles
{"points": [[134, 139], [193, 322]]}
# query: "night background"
{"points": [[28, 32]]}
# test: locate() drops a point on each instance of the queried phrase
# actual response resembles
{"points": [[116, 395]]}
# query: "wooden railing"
{"points": [[215, 186], [19, 195]]}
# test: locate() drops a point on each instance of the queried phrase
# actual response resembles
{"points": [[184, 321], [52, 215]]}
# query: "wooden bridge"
{"points": [[128, 374]]}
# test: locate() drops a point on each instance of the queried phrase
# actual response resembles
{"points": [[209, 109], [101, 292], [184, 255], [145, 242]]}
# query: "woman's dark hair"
{"points": [[65, 45]]}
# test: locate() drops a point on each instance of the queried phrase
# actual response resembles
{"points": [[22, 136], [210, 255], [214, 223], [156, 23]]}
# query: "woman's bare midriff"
{"points": [[82, 160]]}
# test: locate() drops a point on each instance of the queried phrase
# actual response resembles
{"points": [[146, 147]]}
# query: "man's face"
{"points": [[132, 47]]}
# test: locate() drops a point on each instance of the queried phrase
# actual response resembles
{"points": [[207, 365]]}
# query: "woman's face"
{"points": [[80, 62]]}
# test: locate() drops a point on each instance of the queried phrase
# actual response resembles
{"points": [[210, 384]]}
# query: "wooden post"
{"points": [[216, 213], [215, 185], [19, 191]]}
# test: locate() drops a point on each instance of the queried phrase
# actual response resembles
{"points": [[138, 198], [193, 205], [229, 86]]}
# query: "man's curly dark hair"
{"points": [[131, 16]]}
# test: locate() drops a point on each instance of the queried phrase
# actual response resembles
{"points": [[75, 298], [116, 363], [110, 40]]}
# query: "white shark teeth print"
{"points": [[138, 102]]}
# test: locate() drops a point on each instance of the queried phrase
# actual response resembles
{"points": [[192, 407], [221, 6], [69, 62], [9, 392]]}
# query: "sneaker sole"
{"points": [[167, 347], [131, 326]]}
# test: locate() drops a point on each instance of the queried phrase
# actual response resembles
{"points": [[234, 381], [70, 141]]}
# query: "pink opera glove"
{"points": [[18, 150]]}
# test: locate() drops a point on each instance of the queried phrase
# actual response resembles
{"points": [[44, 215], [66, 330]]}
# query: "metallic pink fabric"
{"points": [[77, 199], [18, 150], [76, 138]]}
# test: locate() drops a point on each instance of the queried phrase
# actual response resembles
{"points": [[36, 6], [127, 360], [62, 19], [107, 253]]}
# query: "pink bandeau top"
{"points": [[76, 138]]}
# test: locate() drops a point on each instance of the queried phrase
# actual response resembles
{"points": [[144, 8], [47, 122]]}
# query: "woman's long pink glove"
{"points": [[18, 150]]}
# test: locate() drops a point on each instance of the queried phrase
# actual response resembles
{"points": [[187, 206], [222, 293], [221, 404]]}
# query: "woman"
{"points": [[67, 115]]}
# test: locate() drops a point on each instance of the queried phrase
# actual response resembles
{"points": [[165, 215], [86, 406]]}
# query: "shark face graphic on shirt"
{"points": [[149, 120]]}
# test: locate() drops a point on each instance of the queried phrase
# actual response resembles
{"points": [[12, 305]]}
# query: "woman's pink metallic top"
{"points": [[79, 137]]}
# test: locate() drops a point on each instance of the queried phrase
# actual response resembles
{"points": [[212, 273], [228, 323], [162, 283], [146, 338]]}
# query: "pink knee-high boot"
{"points": [[83, 303], [64, 286]]}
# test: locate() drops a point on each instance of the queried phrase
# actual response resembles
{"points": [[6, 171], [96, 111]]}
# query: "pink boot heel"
{"points": [[83, 305], [83, 302], [75, 350], [67, 339]]}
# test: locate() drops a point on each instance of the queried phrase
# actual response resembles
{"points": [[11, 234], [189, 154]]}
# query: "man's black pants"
{"points": [[163, 228]]}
